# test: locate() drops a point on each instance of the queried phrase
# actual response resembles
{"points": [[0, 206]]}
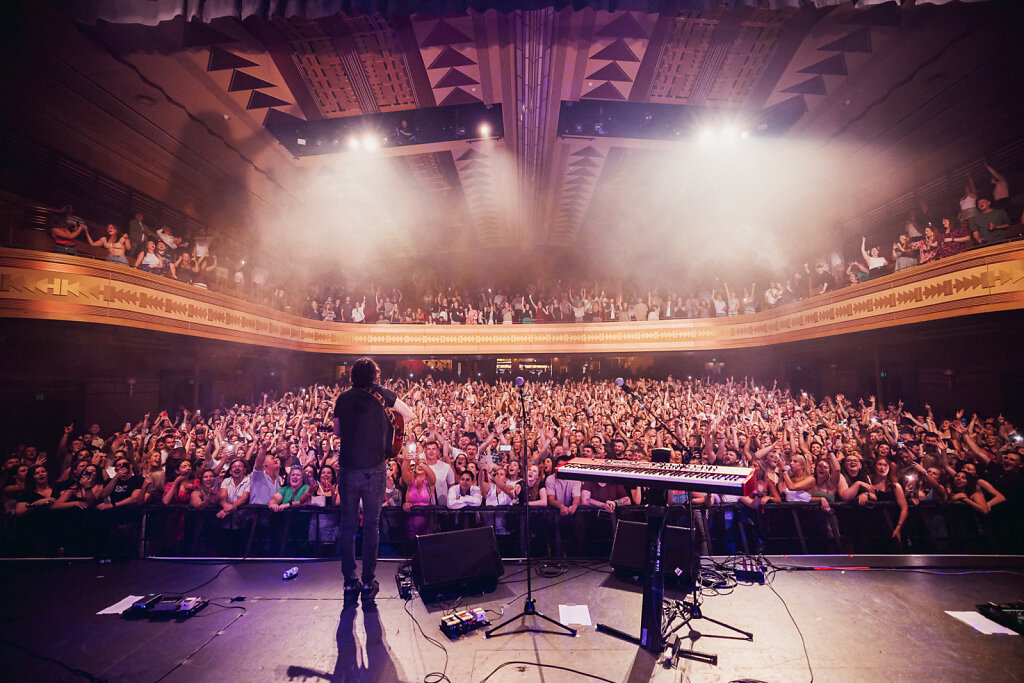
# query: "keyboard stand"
{"points": [[653, 637]]}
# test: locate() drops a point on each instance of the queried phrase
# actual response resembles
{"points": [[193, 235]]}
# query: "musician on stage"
{"points": [[363, 421]]}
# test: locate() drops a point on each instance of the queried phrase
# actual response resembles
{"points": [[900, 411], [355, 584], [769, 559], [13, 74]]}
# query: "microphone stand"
{"points": [[653, 631], [530, 605]]}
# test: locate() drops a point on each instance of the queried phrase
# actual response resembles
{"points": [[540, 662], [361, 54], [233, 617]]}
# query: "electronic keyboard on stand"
{"points": [[660, 478], [737, 481]]}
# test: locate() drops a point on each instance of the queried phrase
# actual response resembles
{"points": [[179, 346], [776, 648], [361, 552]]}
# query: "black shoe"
{"points": [[351, 593], [368, 593]]}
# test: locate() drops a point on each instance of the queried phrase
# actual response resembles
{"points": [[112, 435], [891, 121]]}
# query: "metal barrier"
{"points": [[256, 531]]}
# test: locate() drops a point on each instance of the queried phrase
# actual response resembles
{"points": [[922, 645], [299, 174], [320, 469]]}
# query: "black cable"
{"points": [[535, 590], [545, 666], [75, 672], [204, 583], [208, 640], [797, 626], [433, 676]]}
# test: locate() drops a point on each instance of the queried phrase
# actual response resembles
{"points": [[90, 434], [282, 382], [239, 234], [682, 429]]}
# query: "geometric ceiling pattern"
{"points": [[448, 50], [619, 44], [734, 57]]}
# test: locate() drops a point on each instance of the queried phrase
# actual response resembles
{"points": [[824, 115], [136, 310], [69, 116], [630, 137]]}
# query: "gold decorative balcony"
{"points": [[40, 285]]}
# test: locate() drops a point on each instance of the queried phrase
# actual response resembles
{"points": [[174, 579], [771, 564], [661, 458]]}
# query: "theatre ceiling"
{"points": [[519, 129]]}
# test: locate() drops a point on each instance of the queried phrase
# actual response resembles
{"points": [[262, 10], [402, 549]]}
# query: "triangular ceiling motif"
{"points": [[605, 91], [625, 26], [444, 33], [610, 72], [858, 41], [473, 164], [243, 81], [616, 52], [832, 66], [577, 181], [473, 153], [459, 96], [587, 151], [586, 162], [453, 78], [261, 100], [275, 118], [812, 86], [582, 172], [793, 108], [450, 57], [221, 59]]}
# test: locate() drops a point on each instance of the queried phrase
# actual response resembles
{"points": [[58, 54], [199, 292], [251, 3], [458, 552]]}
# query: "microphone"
{"points": [[619, 382], [520, 381]]}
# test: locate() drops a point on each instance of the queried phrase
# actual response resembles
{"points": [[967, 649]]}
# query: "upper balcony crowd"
{"points": [[930, 233]]}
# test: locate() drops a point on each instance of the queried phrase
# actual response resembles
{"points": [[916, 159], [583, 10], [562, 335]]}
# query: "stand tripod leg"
{"points": [[616, 633], [746, 634], [529, 610]]}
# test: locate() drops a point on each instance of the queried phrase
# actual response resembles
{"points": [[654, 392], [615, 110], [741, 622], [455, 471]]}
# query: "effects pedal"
{"points": [[406, 588], [465, 621], [159, 606], [750, 571]]}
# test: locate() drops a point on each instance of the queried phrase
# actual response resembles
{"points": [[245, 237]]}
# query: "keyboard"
{"points": [[737, 481]]}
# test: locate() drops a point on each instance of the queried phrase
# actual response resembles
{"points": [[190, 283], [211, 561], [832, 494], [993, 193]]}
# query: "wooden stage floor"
{"points": [[881, 625]]}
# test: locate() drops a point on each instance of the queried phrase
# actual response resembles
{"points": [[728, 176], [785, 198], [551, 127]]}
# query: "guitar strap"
{"points": [[387, 411]]}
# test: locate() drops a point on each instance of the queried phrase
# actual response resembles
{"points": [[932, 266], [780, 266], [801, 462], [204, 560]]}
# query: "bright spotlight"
{"points": [[485, 130], [729, 134], [706, 135], [370, 142], [353, 143], [744, 134]]}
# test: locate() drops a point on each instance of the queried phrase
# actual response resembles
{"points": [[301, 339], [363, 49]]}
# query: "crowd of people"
{"points": [[465, 449], [930, 233]]}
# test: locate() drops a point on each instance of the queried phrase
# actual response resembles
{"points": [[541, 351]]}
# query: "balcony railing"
{"points": [[57, 287]]}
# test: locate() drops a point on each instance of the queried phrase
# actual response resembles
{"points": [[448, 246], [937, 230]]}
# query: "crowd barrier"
{"points": [[256, 531]]}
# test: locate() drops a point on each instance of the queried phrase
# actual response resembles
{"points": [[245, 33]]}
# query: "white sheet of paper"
{"points": [[982, 623], [120, 606], [574, 614]]}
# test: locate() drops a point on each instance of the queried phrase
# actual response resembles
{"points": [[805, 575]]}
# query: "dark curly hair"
{"points": [[365, 372]]}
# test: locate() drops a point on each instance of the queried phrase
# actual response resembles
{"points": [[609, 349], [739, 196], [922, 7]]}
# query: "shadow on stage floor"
{"points": [[857, 625]]}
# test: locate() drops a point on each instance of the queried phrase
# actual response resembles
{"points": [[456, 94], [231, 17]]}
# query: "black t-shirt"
{"points": [[366, 433], [123, 488], [30, 497]]}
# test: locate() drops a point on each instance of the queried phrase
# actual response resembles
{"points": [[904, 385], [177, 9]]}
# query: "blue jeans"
{"points": [[366, 486]]}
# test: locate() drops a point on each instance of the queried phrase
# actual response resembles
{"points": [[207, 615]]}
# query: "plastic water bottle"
{"points": [[290, 573]]}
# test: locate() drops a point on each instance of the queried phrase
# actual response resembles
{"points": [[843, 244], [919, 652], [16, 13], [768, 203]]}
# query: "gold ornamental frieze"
{"points": [[39, 285]]}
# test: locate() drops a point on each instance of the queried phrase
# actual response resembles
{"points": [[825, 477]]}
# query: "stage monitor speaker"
{"points": [[457, 563], [630, 551]]}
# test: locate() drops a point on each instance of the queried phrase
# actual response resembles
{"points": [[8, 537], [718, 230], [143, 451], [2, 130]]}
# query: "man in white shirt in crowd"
{"points": [[442, 471], [465, 493]]}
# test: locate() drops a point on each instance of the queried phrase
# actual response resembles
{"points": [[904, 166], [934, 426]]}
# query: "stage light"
{"points": [[370, 142], [485, 130], [744, 135], [301, 141], [706, 135], [353, 143], [729, 134]]}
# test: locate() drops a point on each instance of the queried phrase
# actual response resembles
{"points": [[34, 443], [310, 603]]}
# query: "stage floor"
{"points": [[857, 626]]}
